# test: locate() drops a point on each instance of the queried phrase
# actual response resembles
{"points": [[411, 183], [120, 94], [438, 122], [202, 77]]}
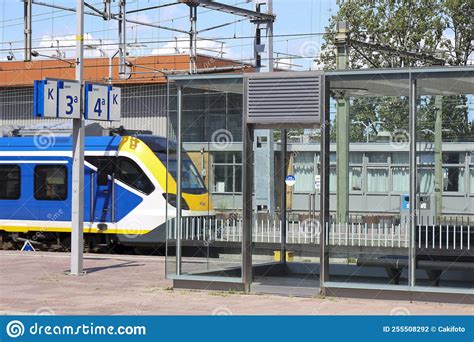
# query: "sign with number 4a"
{"points": [[102, 102]]}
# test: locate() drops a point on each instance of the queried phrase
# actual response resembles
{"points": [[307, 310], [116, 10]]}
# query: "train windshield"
{"points": [[191, 180]]}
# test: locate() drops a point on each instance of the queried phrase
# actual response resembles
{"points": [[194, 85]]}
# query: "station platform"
{"points": [[38, 283]]}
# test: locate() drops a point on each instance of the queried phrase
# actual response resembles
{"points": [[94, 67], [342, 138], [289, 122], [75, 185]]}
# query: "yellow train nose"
{"points": [[201, 202]]}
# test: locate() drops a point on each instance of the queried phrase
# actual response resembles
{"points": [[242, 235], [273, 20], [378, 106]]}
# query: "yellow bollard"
{"points": [[289, 256]]}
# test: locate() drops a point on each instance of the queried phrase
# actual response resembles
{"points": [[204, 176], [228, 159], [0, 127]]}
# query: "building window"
{"points": [[400, 158], [355, 178], [427, 158], [9, 182], [472, 181], [377, 180], [355, 171], [453, 171], [51, 182], [378, 172], [453, 179], [401, 179], [332, 179], [227, 173], [377, 158], [426, 180], [303, 170], [400, 172]]}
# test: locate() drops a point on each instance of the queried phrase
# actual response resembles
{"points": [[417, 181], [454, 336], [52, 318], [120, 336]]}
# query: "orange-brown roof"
{"points": [[20, 73]]}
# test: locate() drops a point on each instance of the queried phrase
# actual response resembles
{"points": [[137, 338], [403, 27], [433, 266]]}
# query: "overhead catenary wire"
{"points": [[173, 39]]}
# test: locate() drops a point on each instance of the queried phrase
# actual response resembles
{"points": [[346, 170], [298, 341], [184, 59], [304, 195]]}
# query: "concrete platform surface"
{"points": [[36, 283]]}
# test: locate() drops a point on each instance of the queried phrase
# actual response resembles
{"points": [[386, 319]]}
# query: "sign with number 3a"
{"points": [[57, 99], [68, 100]]}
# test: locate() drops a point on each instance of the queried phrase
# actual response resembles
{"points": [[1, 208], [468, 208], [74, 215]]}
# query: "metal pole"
{"points": [[77, 217], [270, 36], [178, 181], [111, 59], [283, 196], [324, 194], [438, 147], [247, 192], [413, 185], [258, 42], [28, 13], [247, 179], [122, 40], [343, 129], [192, 39]]}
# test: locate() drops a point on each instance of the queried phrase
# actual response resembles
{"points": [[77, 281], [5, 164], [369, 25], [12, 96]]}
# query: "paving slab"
{"points": [[38, 283]]}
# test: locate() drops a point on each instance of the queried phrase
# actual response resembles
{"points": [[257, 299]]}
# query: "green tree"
{"points": [[432, 27]]}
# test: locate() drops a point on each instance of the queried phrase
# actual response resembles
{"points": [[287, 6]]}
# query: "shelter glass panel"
{"points": [[205, 242], [445, 117], [367, 238]]}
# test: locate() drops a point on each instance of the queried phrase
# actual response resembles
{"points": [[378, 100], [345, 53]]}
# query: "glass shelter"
{"points": [[268, 194]]}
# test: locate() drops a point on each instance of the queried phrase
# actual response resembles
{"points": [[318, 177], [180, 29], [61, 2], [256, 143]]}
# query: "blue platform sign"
{"points": [[102, 102], [61, 99], [57, 99]]}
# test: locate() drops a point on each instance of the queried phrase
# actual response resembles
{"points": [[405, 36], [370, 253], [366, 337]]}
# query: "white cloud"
{"points": [[204, 46], [65, 46], [284, 63]]}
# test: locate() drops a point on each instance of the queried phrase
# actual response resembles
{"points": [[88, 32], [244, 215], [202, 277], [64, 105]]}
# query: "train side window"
{"points": [[9, 182], [51, 182], [131, 174]]}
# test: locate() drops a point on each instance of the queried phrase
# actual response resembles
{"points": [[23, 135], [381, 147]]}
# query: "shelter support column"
{"points": [[438, 147], [343, 126], [247, 179], [324, 194], [178, 181], [283, 171], [413, 185]]}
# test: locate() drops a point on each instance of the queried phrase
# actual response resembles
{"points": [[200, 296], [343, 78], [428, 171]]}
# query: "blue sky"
{"points": [[52, 27]]}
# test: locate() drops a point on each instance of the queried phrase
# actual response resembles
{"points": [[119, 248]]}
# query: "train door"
{"points": [[102, 190]]}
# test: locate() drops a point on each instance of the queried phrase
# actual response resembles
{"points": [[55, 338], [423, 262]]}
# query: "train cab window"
{"points": [[9, 182], [105, 167], [131, 174], [51, 182]]}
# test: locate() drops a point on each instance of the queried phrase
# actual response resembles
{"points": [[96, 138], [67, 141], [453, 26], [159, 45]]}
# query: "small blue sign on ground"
{"points": [[28, 247]]}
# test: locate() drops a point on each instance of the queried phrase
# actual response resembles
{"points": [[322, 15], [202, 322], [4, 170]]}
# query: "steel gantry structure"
{"points": [[256, 17]]}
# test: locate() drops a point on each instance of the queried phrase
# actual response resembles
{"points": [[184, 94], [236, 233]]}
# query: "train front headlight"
{"points": [[172, 200]]}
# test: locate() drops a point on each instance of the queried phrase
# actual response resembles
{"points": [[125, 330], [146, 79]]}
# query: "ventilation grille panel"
{"points": [[280, 97]]}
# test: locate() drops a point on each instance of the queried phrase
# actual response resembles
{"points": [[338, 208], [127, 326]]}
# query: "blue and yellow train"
{"points": [[129, 193]]}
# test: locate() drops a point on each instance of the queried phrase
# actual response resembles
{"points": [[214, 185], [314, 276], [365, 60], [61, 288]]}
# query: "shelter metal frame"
{"points": [[411, 76]]}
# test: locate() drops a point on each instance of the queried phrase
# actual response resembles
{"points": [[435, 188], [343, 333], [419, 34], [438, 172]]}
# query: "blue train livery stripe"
{"points": [[48, 142]]}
